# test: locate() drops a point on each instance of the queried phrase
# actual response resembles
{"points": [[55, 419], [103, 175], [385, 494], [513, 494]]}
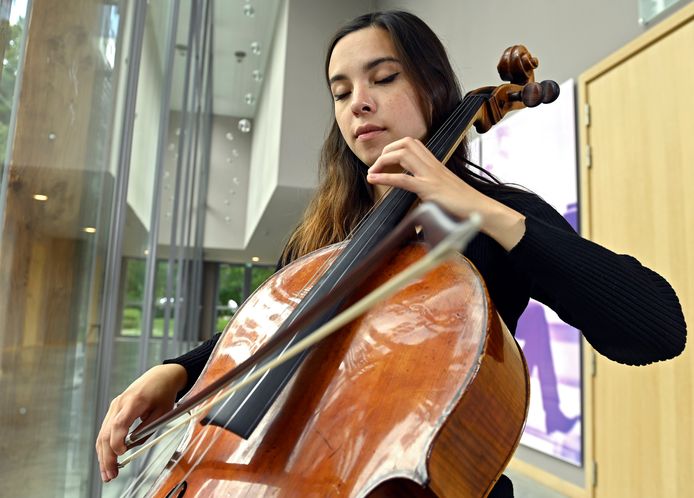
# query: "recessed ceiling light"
{"points": [[249, 10], [89, 229], [255, 48], [40, 197], [255, 259], [244, 125]]}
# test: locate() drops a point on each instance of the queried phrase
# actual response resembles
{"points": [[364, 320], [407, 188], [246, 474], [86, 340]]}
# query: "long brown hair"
{"points": [[343, 196]]}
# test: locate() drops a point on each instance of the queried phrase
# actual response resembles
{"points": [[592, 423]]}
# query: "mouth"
{"points": [[367, 132]]}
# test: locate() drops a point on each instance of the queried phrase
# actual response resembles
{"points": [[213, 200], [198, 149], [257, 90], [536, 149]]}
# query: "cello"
{"points": [[424, 395]]}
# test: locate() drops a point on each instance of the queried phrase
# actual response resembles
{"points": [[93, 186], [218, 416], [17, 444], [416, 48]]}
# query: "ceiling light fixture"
{"points": [[89, 230], [244, 125], [40, 197]]}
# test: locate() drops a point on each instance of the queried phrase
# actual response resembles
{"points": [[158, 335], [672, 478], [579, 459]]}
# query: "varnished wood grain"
{"points": [[383, 399]]}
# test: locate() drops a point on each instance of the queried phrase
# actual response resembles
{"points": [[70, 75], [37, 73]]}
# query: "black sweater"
{"points": [[626, 311]]}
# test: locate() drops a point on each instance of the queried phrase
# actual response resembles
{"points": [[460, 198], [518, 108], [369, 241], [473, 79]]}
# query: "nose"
{"points": [[362, 101]]}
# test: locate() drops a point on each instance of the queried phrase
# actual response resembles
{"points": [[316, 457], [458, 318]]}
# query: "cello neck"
{"points": [[243, 412]]}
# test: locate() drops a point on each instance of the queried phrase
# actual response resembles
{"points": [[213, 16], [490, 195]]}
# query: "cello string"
{"points": [[462, 109], [438, 143], [146, 472], [218, 408], [173, 426], [451, 245], [368, 232], [448, 125], [448, 129], [141, 478]]}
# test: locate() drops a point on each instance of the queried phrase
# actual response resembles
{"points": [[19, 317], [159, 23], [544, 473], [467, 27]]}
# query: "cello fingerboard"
{"points": [[242, 413]]}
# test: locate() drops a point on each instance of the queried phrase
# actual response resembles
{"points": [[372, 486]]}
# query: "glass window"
{"points": [[236, 283], [650, 9], [57, 137]]}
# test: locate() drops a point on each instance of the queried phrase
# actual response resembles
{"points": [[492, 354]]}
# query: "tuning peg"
{"points": [[550, 91], [534, 94], [531, 95]]}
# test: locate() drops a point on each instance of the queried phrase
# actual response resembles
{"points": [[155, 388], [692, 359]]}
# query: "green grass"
{"points": [[158, 327]]}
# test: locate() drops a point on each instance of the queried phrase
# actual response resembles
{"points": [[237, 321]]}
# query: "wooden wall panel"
{"points": [[638, 198], [53, 153]]}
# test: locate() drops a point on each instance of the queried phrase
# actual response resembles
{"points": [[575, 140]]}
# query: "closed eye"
{"points": [[383, 81], [388, 79]]}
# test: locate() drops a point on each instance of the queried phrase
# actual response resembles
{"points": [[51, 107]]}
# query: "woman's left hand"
{"points": [[432, 181]]}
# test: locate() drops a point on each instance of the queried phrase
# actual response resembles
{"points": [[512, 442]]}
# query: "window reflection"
{"points": [[236, 282]]}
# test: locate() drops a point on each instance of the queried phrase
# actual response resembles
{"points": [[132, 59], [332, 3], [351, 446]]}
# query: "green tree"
{"points": [[260, 274], [230, 284], [134, 280], [11, 37]]}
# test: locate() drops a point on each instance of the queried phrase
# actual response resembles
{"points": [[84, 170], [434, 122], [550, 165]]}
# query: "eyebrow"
{"points": [[366, 67]]}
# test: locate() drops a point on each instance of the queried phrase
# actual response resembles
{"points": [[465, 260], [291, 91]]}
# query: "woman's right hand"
{"points": [[148, 397]]}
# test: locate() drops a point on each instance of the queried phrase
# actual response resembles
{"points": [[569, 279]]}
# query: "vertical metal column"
{"points": [[184, 328], [173, 245], [206, 118], [153, 243], [109, 309]]}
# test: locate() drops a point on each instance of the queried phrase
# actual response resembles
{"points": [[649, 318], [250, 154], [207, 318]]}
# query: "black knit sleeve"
{"points": [[626, 311], [194, 361]]}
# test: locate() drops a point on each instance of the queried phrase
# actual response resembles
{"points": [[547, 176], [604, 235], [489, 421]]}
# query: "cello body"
{"points": [[424, 395]]}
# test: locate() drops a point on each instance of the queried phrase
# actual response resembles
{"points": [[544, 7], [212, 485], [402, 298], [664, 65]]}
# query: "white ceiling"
{"points": [[234, 59], [234, 63]]}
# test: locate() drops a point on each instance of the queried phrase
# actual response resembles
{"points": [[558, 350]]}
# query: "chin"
{"points": [[369, 157]]}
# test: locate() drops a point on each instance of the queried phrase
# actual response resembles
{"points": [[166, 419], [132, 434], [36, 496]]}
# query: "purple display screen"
{"points": [[536, 148]]}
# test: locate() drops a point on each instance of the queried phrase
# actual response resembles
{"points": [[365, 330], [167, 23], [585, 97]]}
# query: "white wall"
{"points": [[228, 189], [146, 128], [567, 36], [308, 107], [267, 128], [294, 113]]}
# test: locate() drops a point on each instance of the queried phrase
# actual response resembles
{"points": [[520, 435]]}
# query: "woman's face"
{"points": [[375, 103]]}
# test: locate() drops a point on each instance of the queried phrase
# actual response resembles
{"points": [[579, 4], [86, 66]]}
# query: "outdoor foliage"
{"points": [[8, 77]]}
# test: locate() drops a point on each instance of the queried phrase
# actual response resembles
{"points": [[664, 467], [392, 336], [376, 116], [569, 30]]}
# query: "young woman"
{"points": [[392, 86]]}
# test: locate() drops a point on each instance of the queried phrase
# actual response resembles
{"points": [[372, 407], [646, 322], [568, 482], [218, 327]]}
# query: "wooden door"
{"points": [[638, 198]]}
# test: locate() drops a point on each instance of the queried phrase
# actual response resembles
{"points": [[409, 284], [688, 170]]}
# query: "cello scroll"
{"points": [[516, 66]]}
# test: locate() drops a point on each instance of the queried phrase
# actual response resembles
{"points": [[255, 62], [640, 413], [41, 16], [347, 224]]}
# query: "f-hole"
{"points": [[178, 491]]}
